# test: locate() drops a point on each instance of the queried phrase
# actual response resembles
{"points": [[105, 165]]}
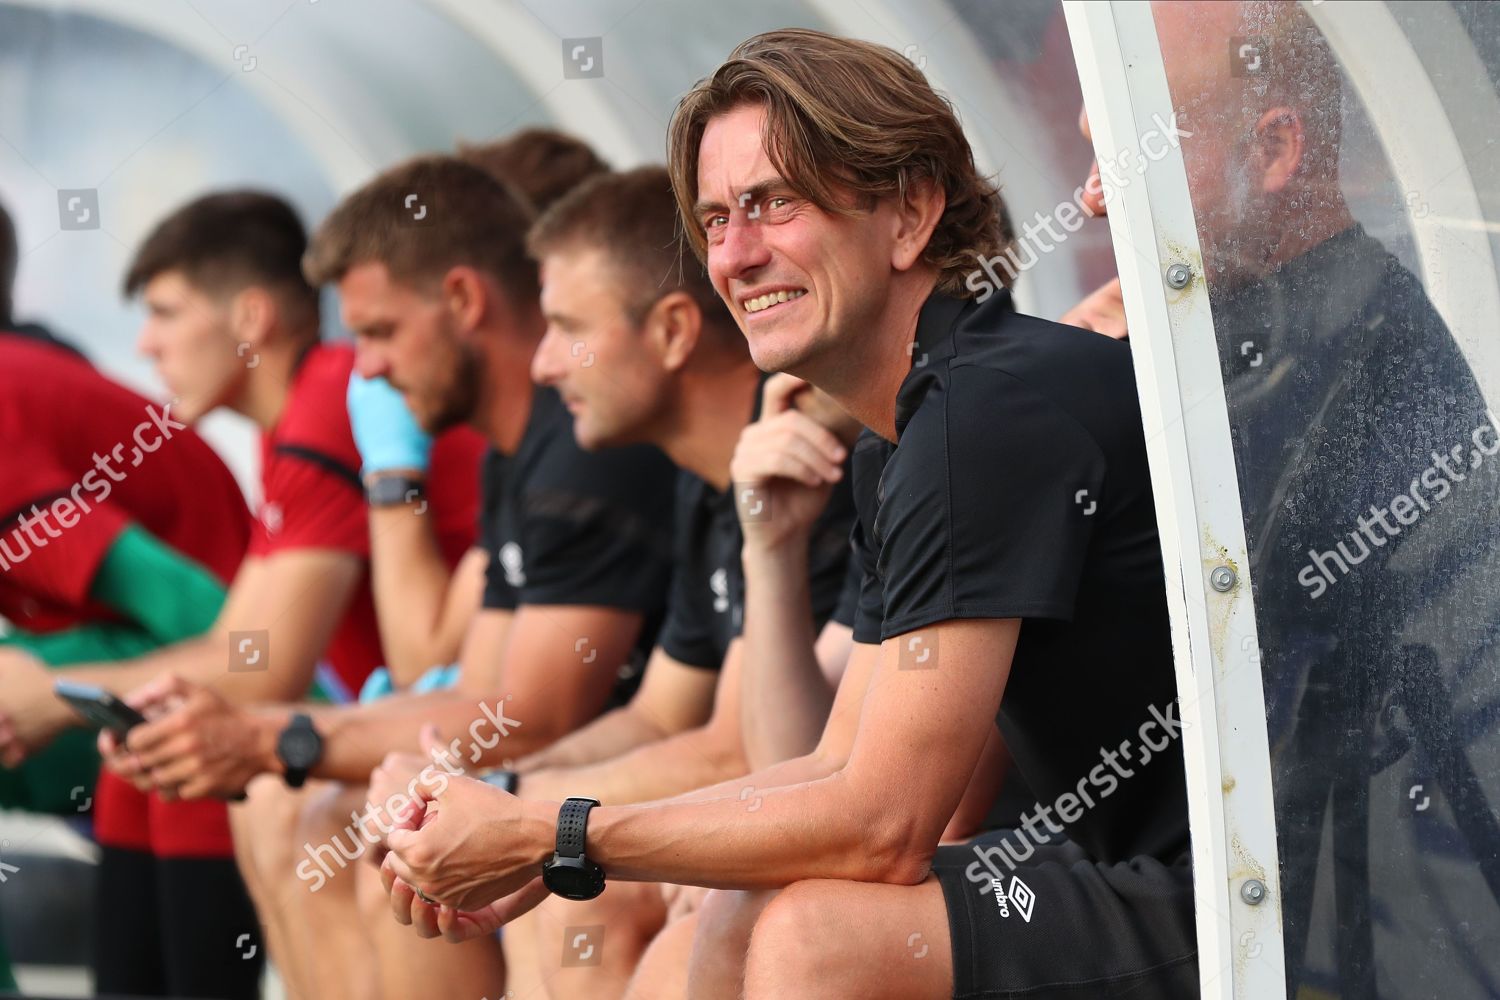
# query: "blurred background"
{"points": [[143, 105]]}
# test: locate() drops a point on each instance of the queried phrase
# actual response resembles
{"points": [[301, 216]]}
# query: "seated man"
{"points": [[668, 368], [829, 170], [610, 236], [578, 556], [231, 322], [122, 531], [423, 611]]}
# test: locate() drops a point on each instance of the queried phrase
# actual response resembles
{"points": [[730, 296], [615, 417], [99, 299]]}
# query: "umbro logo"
{"points": [[513, 563], [719, 584], [1020, 896]]}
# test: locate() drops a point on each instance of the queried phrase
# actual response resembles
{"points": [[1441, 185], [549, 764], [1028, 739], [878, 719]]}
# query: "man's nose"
{"points": [[145, 343], [370, 361], [546, 366], [743, 248]]}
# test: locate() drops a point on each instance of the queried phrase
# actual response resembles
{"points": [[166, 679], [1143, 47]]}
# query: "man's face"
{"points": [[189, 336], [767, 243], [409, 337], [1226, 180], [608, 371]]}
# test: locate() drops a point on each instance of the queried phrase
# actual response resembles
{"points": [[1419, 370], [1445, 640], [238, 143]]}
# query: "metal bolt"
{"points": [[1253, 891], [1178, 275], [1222, 579]]}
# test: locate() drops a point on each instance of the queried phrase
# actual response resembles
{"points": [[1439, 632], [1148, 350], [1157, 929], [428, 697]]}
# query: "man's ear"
{"points": [[1280, 145], [466, 295], [253, 312], [673, 328], [917, 216]]}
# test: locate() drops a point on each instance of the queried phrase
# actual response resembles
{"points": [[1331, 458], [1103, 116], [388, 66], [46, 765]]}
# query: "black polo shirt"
{"points": [[862, 610], [565, 526], [1018, 488], [707, 607]]}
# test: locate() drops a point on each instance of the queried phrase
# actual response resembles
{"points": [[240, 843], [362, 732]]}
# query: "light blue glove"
{"points": [[379, 684], [385, 432]]}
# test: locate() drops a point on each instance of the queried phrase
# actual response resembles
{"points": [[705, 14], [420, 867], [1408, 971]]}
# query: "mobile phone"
{"points": [[99, 707]]}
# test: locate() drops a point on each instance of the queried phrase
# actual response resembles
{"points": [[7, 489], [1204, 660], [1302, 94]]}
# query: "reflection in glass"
{"points": [[1369, 470]]}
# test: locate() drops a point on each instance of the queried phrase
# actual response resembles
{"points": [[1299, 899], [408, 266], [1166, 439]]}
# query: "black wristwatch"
{"points": [[393, 490], [570, 874], [299, 747], [506, 781]]}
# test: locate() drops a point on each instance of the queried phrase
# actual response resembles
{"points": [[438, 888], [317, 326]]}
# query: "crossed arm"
{"points": [[868, 804]]}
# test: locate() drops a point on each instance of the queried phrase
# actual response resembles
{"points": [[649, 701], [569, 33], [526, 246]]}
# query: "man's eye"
{"points": [[780, 202], [714, 221]]}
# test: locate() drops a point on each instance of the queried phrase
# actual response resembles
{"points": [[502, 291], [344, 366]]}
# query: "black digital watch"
{"points": [[393, 490], [299, 748], [570, 874]]}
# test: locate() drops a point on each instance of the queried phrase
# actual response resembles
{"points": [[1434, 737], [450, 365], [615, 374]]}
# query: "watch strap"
{"points": [[295, 777], [393, 489], [572, 826]]}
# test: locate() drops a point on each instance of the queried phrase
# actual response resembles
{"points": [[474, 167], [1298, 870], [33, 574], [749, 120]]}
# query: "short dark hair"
{"points": [[543, 163], [228, 241], [421, 218], [10, 255], [632, 218]]}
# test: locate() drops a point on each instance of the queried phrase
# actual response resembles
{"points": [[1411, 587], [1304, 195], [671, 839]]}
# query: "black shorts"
{"points": [[1061, 926]]}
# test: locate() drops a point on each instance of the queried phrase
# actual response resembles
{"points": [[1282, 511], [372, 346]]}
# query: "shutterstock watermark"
{"points": [[1113, 176], [93, 487], [316, 867], [1408, 507], [1158, 733]]}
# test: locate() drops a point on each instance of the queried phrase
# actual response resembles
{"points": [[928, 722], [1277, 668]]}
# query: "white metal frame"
{"points": [[1197, 503]]}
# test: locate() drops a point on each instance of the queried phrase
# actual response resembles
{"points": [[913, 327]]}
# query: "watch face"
{"points": [[573, 878], [299, 747]]}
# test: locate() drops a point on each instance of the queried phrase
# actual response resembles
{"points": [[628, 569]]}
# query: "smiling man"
{"points": [[830, 171]]}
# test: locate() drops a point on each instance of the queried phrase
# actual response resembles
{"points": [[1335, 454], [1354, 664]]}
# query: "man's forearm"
{"points": [[611, 734], [356, 738], [410, 581], [786, 696], [774, 836], [205, 660], [657, 770], [123, 676]]}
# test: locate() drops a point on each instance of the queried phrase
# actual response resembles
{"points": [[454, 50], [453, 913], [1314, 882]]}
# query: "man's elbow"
{"points": [[725, 751], [893, 853], [892, 841]]}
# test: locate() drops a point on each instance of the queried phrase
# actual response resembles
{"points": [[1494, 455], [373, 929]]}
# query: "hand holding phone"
{"points": [[99, 707]]}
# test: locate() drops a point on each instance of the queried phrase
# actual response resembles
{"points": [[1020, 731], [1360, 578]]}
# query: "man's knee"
{"points": [[370, 895], [716, 966], [795, 938], [726, 916], [630, 915], [264, 828]]}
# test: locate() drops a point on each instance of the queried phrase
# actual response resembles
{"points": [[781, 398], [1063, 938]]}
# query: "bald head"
{"points": [[1260, 92]]}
